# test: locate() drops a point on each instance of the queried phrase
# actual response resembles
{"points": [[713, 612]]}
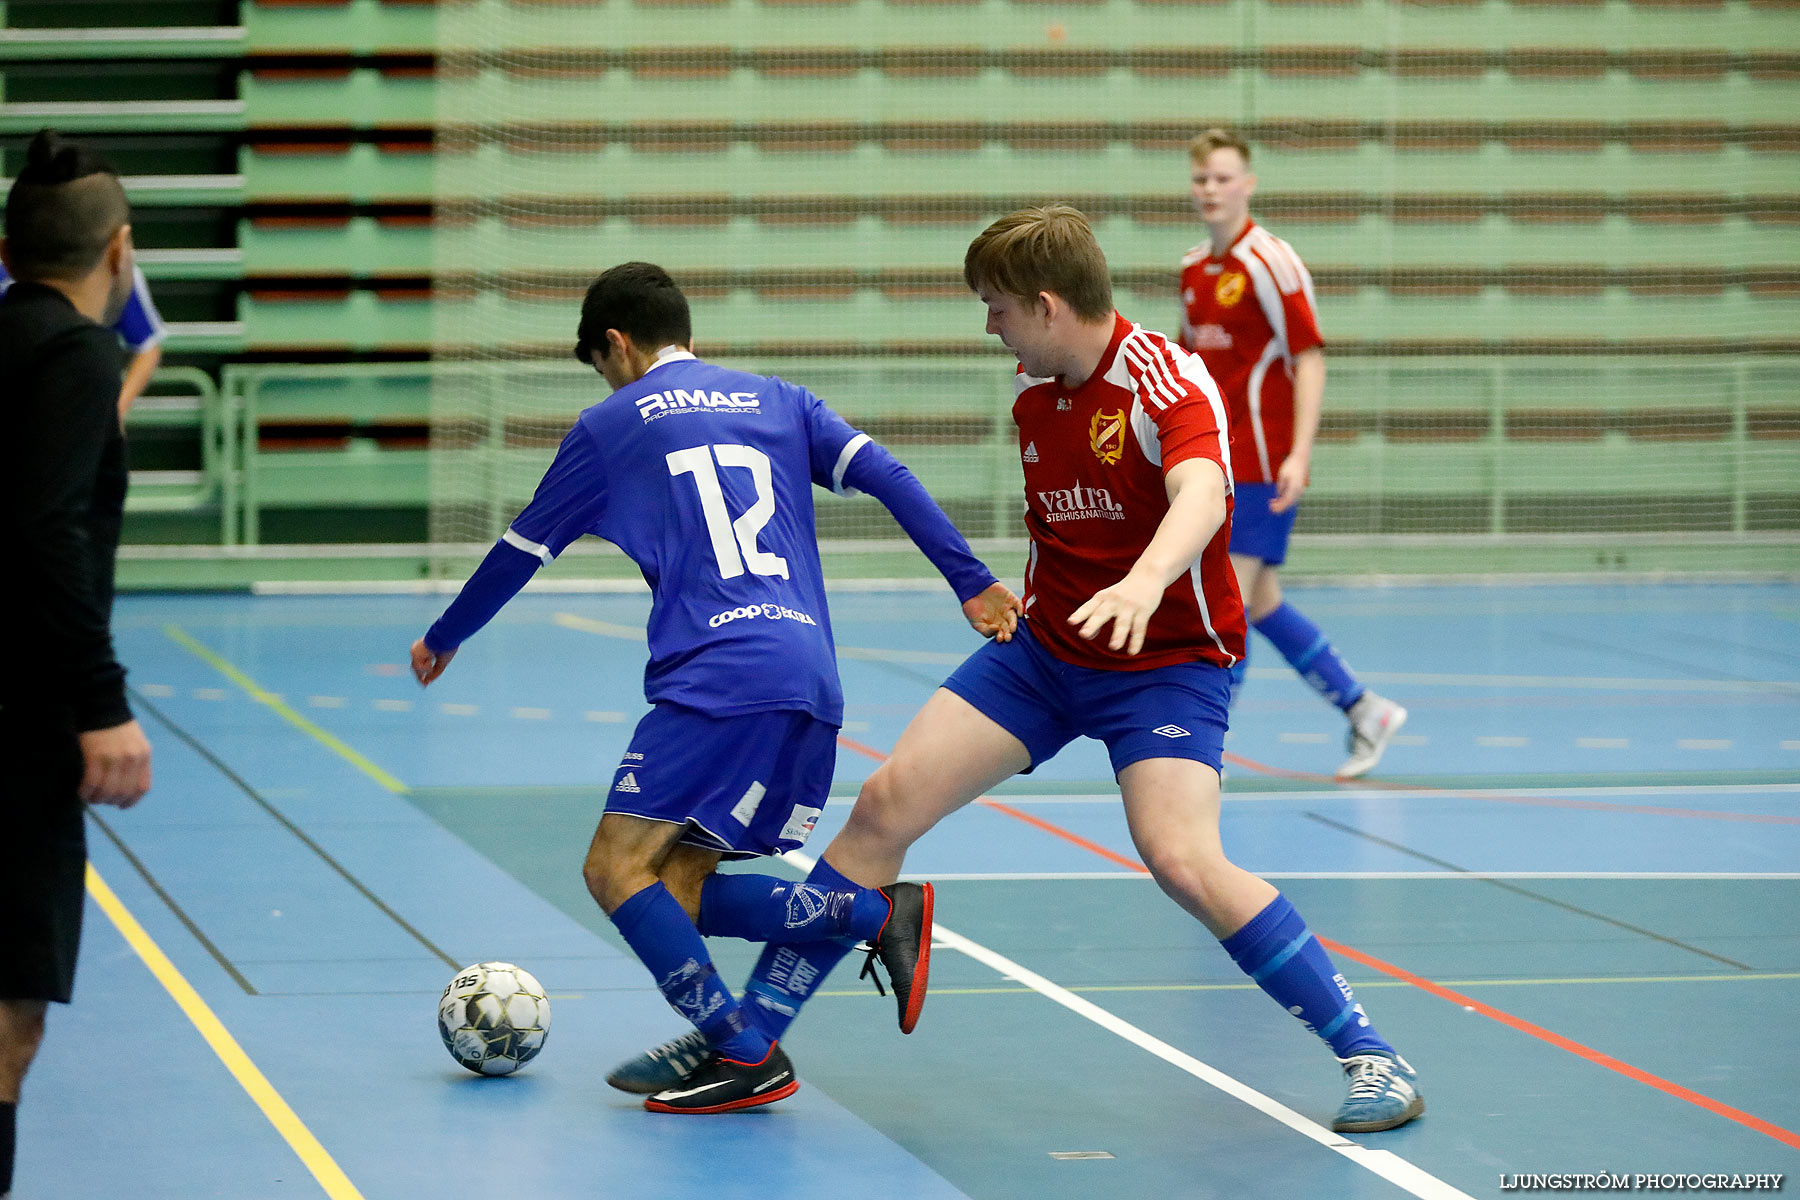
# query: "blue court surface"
{"points": [[1571, 897]]}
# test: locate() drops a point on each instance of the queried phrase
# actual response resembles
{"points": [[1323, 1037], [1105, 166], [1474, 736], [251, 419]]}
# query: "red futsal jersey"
{"points": [[1094, 495], [1247, 313]]}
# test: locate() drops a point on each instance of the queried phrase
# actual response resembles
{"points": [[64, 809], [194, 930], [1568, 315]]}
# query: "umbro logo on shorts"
{"points": [[628, 784], [1171, 731]]}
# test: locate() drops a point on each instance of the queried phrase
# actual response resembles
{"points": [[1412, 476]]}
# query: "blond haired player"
{"points": [[1248, 312]]}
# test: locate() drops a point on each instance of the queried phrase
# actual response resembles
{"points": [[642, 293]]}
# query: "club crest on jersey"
{"points": [[1106, 436], [1230, 288]]}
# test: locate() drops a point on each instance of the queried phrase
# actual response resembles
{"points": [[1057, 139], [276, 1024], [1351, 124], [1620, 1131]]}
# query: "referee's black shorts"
{"points": [[43, 856]]}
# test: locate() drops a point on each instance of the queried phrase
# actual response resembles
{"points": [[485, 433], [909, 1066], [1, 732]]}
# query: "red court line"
{"points": [[1653, 810], [1573, 1047], [1592, 1055]]}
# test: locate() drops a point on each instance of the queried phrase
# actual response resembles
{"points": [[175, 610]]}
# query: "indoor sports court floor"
{"points": [[1572, 899]]}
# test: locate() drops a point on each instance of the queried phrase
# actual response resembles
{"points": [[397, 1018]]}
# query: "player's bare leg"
{"points": [[684, 872], [21, 1032], [1259, 585], [949, 754], [1172, 806], [627, 855]]}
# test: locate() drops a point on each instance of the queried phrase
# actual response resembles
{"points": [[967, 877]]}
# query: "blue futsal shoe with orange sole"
{"points": [[1384, 1093], [904, 948], [721, 1085]]}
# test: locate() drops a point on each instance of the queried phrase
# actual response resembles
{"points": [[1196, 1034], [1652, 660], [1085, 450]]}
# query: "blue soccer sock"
{"points": [[787, 974], [1282, 956], [762, 908], [1309, 652], [784, 977], [658, 930]]}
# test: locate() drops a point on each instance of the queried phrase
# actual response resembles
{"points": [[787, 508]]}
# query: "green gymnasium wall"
{"points": [[1554, 245]]}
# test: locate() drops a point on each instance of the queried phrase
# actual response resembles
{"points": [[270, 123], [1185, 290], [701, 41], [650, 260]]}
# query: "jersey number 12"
{"points": [[729, 536]]}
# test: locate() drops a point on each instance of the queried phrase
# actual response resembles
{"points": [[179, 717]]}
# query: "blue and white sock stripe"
{"points": [[1280, 958]]}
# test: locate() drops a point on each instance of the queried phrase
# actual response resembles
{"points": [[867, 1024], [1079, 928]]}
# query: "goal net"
{"points": [[1553, 247]]}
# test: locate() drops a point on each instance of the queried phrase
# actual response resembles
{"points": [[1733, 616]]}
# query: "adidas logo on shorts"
{"points": [[628, 784]]}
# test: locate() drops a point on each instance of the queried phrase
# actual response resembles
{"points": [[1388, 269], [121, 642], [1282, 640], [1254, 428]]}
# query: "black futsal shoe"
{"points": [[723, 1084], [904, 947]]}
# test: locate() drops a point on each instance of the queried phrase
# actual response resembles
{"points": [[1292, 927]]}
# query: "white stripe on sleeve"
{"points": [[843, 464], [527, 545], [1268, 294]]}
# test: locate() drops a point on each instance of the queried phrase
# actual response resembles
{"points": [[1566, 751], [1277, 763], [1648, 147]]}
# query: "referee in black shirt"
{"points": [[66, 734]]}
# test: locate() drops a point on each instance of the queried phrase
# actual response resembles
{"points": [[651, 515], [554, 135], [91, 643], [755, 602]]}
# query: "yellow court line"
{"points": [[1364, 983], [330, 741], [317, 1159]]}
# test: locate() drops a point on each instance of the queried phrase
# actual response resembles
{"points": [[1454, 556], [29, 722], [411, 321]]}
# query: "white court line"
{"points": [[1008, 876], [1445, 792], [1581, 682], [1649, 789], [1385, 1163]]}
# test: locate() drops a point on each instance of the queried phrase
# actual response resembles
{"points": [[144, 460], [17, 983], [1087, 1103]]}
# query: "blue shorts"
{"points": [[1255, 530], [745, 786], [1177, 711]]}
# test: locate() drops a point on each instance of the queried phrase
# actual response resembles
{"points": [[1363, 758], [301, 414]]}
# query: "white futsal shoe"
{"points": [[1374, 720]]}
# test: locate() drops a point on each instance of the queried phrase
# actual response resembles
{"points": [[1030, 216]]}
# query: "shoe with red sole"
{"points": [[904, 948], [723, 1084]]}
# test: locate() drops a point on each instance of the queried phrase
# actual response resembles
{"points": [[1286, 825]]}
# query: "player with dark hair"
{"points": [[66, 732], [703, 476], [1128, 503], [1248, 312]]}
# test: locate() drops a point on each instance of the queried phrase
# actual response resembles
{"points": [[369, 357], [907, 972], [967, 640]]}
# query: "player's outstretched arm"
{"points": [[1196, 510], [991, 608], [569, 500], [995, 613]]}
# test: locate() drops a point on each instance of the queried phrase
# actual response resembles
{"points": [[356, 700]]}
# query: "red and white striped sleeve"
{"points": [[1177, 401], [1284, 289]]}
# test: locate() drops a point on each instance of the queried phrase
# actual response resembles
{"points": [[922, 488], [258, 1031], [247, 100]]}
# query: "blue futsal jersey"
{"points": [[703, 475]]}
